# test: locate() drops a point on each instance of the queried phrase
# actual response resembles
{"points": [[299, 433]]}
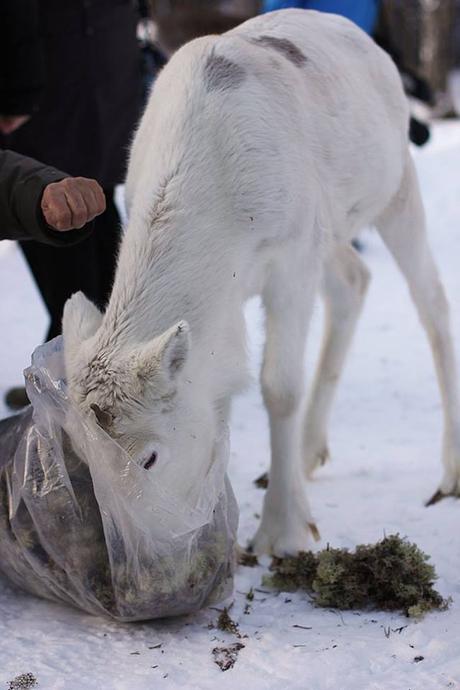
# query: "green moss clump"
{"points": [[290, 574], [390, 575], [338, 582]]}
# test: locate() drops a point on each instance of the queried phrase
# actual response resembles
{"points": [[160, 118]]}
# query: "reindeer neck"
{"points": [[168, 270]]}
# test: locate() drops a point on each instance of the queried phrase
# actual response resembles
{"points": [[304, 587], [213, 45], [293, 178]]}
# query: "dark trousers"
{"points": [[88, 266]]}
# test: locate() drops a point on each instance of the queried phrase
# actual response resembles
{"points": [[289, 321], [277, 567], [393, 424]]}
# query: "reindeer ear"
{"points": [[80, 321], [104, 418], [174, 347], [165, 355]]}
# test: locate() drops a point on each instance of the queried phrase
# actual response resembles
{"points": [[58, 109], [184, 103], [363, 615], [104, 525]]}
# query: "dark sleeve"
{"points": [[22, 58], [22, 182]]}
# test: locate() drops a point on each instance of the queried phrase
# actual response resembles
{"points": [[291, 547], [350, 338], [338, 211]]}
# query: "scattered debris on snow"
{"points": [[225, 623], [225, 657], [23, 682]]}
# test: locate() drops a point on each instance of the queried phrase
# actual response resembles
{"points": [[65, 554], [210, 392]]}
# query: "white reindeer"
{"points": [[260, 155]]}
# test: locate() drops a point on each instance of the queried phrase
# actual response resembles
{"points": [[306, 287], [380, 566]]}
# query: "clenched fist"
{"points": [[72, 202]]}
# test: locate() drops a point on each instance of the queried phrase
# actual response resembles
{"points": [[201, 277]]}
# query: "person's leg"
{"points": [[88, 266], [59, 272]]}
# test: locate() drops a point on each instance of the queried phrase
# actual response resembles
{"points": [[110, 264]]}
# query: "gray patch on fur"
{"points": [[264, 244], [287, 48], [221, 74]]}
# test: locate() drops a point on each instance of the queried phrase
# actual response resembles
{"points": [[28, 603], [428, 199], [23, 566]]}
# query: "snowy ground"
{"points": [[385, 441]]}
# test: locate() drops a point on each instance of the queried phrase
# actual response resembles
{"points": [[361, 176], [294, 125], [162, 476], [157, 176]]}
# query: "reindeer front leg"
{"points": [[286, 518]]}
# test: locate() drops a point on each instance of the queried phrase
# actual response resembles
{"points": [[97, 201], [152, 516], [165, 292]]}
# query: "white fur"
{"points": [[244, 188]]}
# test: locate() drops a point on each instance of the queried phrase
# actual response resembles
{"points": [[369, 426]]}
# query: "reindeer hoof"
{"points": [[314, 531], [262, 481], [288, 542], [439, 495]]}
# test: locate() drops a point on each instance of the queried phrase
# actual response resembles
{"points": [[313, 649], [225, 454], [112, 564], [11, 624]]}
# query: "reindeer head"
{"points": [[141, 395]]}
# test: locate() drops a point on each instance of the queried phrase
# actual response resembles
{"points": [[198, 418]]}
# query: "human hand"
{"points": [[72, 202], [9, 123]]}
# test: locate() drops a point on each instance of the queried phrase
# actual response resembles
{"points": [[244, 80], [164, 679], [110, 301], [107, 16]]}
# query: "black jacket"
{"points": [[22, 181], [21, 57], [92, 87]]}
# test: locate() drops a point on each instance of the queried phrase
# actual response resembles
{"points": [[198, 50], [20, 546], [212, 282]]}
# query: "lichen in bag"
{"points": [[82, 524]]}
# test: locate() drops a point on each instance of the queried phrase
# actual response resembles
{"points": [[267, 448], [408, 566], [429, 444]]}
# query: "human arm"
{"points": [[41, 203]]}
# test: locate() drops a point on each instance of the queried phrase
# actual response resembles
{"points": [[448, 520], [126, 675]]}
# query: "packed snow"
{"points": [[385, 441]]}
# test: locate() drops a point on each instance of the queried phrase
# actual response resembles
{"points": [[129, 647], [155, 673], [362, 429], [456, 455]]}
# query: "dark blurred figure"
{"points": [[361, 12], [456, 34], [420, 37], [74, 66], [179, 21], [153, 59], [21, 63]]}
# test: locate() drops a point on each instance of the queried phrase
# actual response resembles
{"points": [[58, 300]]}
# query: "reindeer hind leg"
{"points": [[402, 227]]}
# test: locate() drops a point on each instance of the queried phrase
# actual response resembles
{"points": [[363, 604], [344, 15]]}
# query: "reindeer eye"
{"points": [[151, 461]]}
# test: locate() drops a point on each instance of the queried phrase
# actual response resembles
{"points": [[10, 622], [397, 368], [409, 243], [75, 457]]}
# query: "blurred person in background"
{"points": [[180, 21], [420, 36], [456, 34], [70, 95], [153, 58], [371, 16], [363, 12]]}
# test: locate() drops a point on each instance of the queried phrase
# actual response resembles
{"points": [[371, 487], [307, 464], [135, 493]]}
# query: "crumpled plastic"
{"points": [[81, 523]]}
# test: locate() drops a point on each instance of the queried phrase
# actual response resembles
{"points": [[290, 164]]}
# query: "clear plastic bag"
{"points": [[81, 523]]}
